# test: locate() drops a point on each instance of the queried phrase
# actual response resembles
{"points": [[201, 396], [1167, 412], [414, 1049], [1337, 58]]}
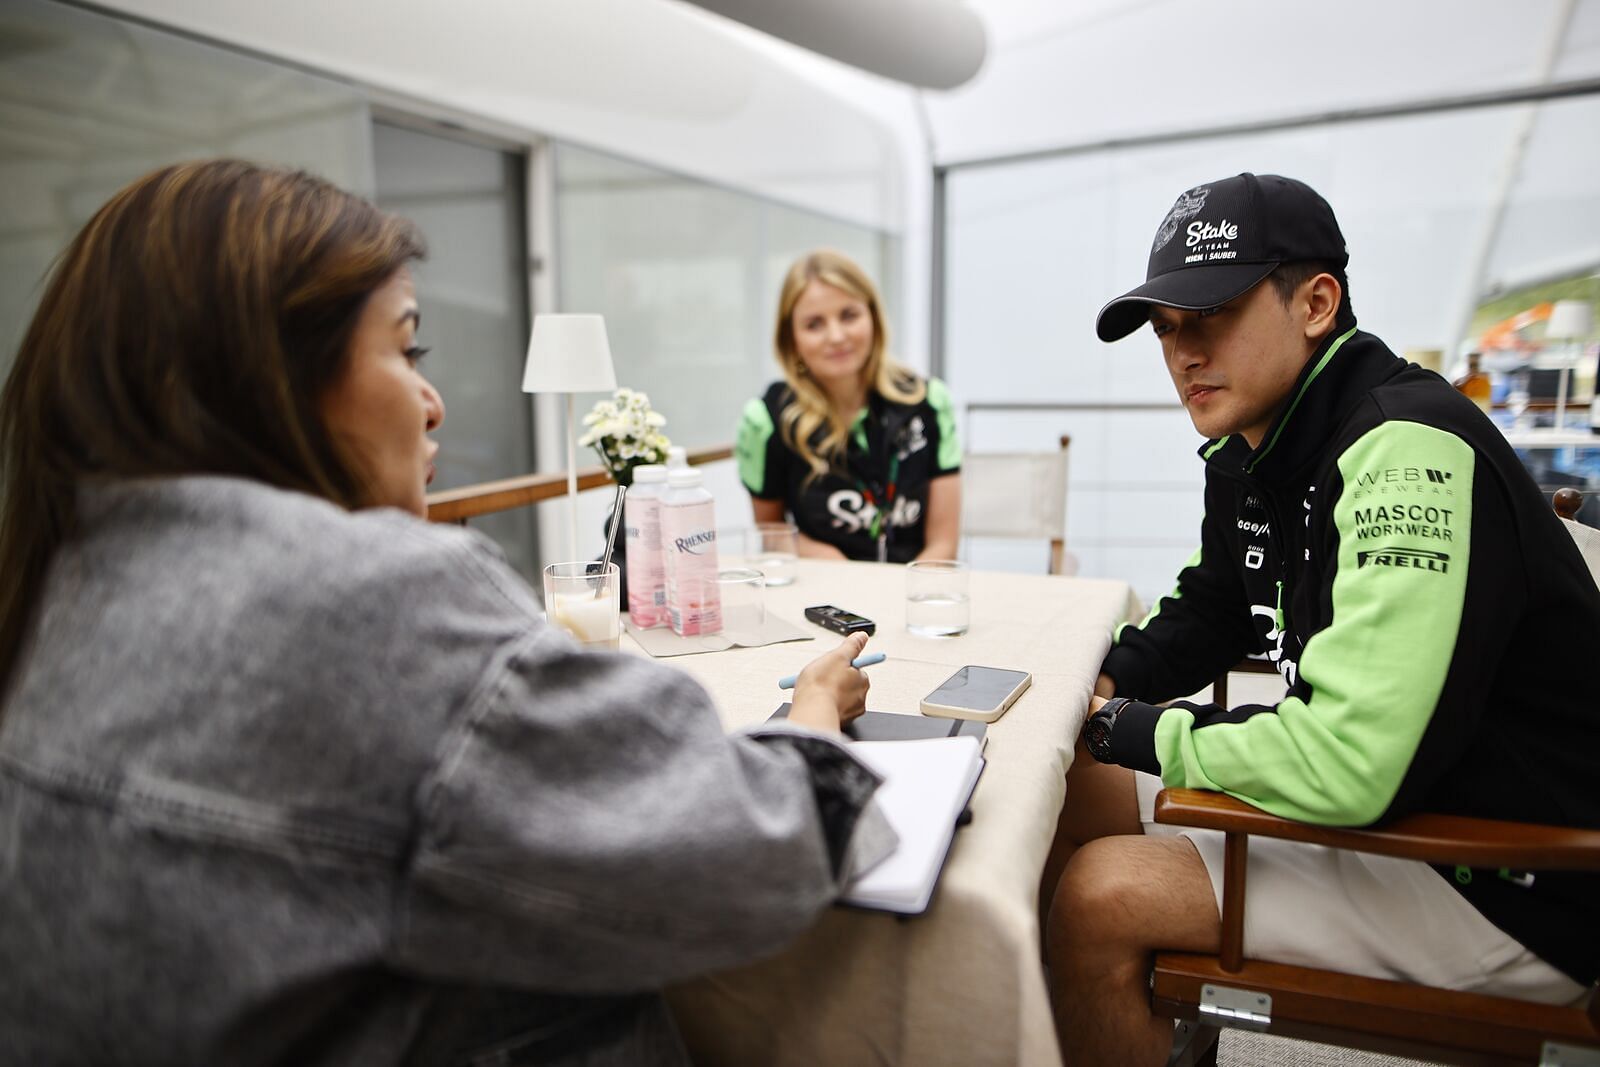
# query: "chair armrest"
{"points": [[1446, 839]]}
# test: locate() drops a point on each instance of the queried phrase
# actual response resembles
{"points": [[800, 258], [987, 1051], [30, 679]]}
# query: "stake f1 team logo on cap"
{"points": [[1186, 207]]}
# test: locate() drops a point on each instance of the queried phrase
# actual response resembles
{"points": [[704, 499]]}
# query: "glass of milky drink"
{"points": [[581, 598]]}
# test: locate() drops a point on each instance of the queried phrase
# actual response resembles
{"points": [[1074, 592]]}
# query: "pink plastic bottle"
{"points": [[647, 591], [689, 551]]}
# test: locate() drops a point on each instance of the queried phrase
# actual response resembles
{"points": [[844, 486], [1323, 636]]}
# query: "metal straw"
{"points": [[611, 540]]}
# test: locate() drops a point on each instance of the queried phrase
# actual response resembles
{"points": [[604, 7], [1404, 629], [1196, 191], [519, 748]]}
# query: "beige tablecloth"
{"points": [[961, 984]]}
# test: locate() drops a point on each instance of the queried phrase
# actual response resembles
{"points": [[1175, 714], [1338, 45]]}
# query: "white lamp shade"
{"points": [[569, 354], [1569, 320]]}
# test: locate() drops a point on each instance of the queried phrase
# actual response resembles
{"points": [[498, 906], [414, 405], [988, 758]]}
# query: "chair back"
{"points": [[1019, 495], [1567, 502]]}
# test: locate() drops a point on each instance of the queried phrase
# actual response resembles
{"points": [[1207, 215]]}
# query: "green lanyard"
{"points": [[880, 522]]}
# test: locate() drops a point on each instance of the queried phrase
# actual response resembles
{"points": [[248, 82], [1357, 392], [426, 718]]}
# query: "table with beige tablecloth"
{"points": [[961, 984]]}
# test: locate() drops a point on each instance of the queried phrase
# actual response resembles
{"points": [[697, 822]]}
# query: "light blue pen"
{"points": [[860, 661]]}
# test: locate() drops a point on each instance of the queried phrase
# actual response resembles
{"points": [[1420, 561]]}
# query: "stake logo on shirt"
{"points": [[852, 514]]}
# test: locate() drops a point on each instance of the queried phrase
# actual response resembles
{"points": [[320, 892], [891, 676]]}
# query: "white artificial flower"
{"points": [[624, 431]]}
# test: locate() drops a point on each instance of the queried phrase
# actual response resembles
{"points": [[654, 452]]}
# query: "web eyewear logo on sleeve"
{"points": [[1186, 207], [1412, 558], [1404, 481]]}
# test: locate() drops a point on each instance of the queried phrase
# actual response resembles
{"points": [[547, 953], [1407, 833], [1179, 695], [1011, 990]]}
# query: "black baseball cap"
{"points": [[1222, 238]]}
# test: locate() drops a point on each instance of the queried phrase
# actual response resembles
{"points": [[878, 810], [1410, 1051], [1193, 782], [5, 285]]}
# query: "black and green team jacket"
{"points": [[878, 489], [1435, 624]]}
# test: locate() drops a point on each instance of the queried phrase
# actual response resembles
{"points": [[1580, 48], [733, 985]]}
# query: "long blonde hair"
{"points": [[810, 408]]}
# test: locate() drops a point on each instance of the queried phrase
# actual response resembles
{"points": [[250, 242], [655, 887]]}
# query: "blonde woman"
{"points": [[857, 448]]}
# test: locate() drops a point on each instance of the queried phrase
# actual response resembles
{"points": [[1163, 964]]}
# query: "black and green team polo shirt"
{"points": [[877, 493]]}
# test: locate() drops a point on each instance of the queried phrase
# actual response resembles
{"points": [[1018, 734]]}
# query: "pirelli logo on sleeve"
{"points": [[1415, 558]]}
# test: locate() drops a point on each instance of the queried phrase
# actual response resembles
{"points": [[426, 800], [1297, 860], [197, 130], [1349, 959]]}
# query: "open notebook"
{"points": [[926, 785]]}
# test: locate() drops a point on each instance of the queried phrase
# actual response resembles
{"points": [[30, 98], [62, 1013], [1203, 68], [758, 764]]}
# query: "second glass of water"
{"points": [[772, 550], [936, 598]]}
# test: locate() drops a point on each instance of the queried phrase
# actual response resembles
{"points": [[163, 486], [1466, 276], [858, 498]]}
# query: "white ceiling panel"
{"points": [[1061, 74]]}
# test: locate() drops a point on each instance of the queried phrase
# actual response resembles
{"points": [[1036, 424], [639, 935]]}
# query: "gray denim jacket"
{"points": [[285, 784]]}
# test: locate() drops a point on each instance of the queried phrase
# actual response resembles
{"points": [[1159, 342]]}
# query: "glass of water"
{"points": [[742, 593], [1518, 398], [936, 598], [771, 549]]}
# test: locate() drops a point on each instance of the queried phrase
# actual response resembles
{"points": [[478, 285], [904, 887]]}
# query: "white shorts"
{"points": [[1377, 916]]}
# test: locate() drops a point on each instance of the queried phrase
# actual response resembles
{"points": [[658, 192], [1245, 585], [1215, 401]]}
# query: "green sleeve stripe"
{"points": [[945, 407], [1155, 609], [1404, 523], [755, 430]]}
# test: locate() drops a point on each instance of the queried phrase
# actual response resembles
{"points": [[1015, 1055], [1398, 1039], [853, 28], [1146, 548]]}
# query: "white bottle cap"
{"points": [[683, 478], [649, 473], [677, 458]]}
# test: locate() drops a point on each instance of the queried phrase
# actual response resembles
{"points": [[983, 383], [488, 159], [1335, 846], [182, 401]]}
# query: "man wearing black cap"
{"points": [[1370, 532]]}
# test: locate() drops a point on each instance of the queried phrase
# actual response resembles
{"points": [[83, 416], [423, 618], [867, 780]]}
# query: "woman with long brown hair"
{"points": [[856, 447], [288, 775]]}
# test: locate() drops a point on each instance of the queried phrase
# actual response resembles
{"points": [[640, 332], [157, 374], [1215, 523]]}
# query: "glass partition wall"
{"points": [[467, 198], [686, 272], [687, 277], [88, 103], [1443, 211]]}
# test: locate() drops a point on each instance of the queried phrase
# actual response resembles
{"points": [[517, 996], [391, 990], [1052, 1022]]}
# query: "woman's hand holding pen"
{"points": [[830, 692]]}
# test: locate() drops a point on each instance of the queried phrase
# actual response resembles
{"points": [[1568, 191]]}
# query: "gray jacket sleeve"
{"points": [[590, 827]]}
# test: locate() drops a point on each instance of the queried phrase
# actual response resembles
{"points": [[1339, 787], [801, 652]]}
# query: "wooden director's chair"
{"points": [[1399, 1018]]}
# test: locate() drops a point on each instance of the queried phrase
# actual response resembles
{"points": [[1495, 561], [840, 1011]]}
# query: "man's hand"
{"points": [[830, 692], [1104, 688]]}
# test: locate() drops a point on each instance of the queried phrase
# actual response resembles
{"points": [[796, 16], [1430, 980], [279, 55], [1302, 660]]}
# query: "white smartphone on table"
{"points": [[981, 693]]}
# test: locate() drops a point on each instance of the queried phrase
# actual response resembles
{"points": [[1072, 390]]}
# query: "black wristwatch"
{"points": [[1097, 731]]}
